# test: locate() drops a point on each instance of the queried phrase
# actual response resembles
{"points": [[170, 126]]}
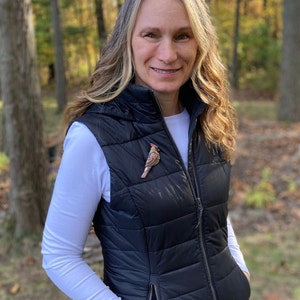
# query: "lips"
{"points": [[165, 71]]}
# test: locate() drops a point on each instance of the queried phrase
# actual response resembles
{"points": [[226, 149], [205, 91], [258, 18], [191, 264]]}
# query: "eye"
{"points": [[150, 35], [182, 37]]}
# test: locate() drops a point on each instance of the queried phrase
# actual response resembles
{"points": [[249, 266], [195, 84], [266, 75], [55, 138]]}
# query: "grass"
{"points": [[4, 162], [253, 110], [22, 278], [273, 260], [53, 120]]}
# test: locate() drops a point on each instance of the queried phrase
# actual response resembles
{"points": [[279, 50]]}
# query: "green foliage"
{"points": [[259, 56], [263, 193], [223, 20], [291, 184], [296, 293], [259, 46], [43, 29], [81, 44], [67, 3], [4, 162], [41, 9], [258, 50]]}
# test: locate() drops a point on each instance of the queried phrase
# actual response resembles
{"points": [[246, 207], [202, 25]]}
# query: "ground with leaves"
{"points": [[265, 210], [266, 168]]}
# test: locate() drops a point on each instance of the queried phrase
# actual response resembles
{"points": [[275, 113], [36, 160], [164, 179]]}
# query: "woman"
{"points": [[147, 161]]}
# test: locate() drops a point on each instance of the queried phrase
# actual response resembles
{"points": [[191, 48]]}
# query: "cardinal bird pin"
{"points": [[152, 160]]}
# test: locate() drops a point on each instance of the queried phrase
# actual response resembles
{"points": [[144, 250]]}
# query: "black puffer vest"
{"points": [[164, 235]]}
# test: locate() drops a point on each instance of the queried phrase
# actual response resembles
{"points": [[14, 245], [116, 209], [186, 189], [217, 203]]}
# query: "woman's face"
{"points": [[163, 46]]}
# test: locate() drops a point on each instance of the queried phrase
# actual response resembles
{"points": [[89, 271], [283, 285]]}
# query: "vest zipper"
{"points": [[196, 194], [150, 292], [153, 289], [199, 226]]}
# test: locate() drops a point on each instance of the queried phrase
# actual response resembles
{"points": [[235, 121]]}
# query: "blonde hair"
{"points": [[114, 71]]}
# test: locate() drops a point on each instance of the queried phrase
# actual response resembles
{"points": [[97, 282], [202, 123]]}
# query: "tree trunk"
{"points": [[100, 21], [59, 65], [28, 199], [289, 105], [235, 61], [3, 143]]}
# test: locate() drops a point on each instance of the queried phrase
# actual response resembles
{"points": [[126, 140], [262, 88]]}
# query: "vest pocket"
{"points": [[246, 283]]}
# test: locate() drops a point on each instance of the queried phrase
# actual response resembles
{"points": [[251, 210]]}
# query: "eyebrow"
{"points": [[185, 28]]}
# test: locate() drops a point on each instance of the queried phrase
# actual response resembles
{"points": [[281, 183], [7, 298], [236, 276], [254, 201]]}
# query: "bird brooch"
{"points": [[152, 160]]}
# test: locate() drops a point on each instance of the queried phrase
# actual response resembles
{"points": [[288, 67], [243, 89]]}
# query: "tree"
{"points": [[29, 191], [235, 63], [45, 51], [59, 65], [289, 105], [100, 21]]}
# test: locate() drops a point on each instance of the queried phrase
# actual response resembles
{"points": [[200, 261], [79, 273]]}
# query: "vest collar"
{"points": [[137, 103]]}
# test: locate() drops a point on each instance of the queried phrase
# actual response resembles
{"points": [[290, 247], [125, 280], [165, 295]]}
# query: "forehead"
{"points": [[162, 13]]}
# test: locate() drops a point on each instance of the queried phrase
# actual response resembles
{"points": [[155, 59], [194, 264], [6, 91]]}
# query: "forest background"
{"points": [[259, 42], [265, 194]]}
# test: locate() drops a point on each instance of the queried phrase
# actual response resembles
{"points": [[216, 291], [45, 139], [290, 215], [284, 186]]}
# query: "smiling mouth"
{"points": [[164, 71]]}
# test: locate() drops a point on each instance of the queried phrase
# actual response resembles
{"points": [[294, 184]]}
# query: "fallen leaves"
{"points": [[29, 260], [272, 145], [15, 289]]}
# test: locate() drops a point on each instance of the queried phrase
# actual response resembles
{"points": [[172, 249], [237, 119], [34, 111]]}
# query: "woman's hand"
{"points": [[247, 275]]}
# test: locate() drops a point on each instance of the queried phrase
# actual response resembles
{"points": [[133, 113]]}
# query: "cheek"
{"points": [[141, 51], [141, 56], [136, 52], [189, 54], [193, 54], [192, 59]]}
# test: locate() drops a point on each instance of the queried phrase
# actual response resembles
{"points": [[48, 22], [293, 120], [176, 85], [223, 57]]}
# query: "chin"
{"points": [[165, 88]]}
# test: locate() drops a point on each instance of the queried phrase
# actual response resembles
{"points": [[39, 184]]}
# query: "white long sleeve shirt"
{"points": [[83, 178]]}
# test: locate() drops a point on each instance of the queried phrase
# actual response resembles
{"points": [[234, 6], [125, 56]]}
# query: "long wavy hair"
{"points": [[114, 71]]}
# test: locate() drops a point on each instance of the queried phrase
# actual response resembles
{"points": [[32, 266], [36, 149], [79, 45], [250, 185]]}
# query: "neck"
{"points": [[170, 105]]}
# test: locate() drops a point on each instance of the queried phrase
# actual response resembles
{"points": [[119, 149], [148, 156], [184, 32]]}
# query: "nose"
{"points": [[167, 51]]}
